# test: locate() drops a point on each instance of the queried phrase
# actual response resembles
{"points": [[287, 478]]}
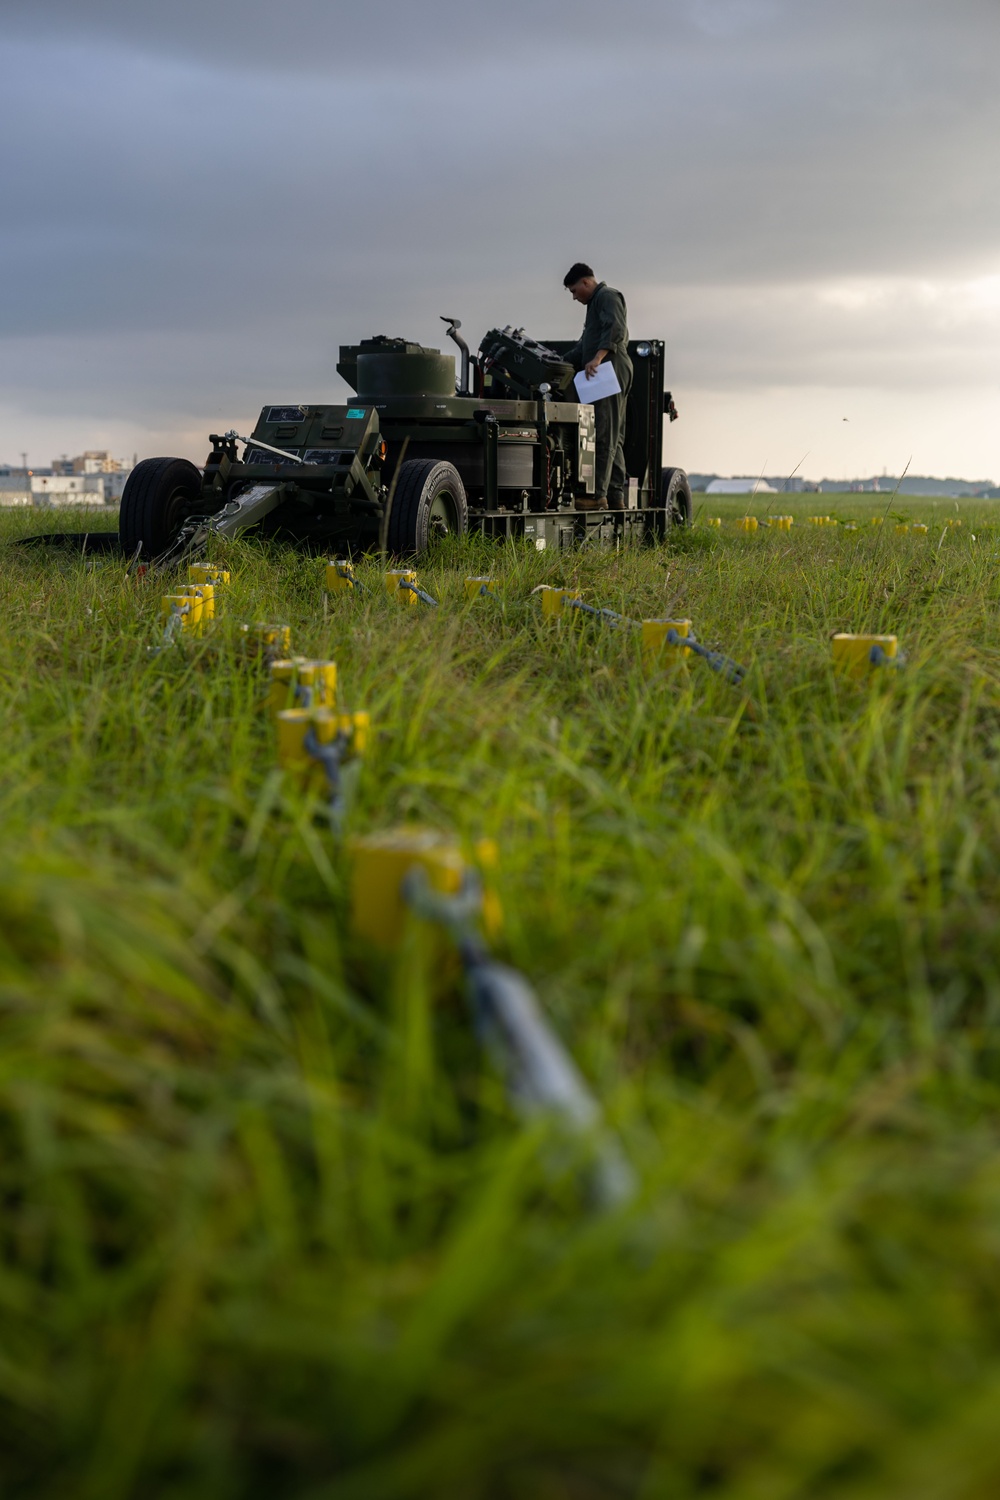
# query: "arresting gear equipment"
{"points": [[313, 743], [340, 577], [401, 585], [724, 665], [656, 649], [676, 637], [381, 861], [185, 613], [207, 573], [414, 873], [656, 634], [269, 642], [193, 606], [855, 655], [297, 682], [555, 600], [478, 588]]}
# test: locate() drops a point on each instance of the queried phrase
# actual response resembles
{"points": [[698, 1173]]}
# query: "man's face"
{"points": [[583, 290]]}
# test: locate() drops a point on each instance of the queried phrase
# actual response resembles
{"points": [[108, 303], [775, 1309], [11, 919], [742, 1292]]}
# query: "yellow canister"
{"points": [[379, 864], [328, 724], [358, 724], [392, 581], [340, 576], [188, 606], [657, 651], [475, 588], [324, 683], [284, 680], [852, 653], [321, 679], [553, 600], [293, 726], [271, 640], [747, 523], [207, 573], [713, 521], [205, 593], [171, 602]]}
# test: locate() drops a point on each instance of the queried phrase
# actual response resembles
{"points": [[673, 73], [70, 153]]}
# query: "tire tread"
{"points": [[407, 530], [141, 516]]}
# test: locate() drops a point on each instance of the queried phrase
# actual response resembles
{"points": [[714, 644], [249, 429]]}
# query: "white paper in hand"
{"points": [[604, 383]]}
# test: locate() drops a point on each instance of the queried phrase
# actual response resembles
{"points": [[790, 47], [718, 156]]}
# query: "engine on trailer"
{"points": [[517, 366]]}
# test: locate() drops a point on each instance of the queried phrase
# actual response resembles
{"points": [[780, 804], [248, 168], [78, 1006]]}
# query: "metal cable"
{"points": [[540, 1074], [420, 593], [330, 756], [729, 669], [170, 629], [610, 615], [878, 657]]}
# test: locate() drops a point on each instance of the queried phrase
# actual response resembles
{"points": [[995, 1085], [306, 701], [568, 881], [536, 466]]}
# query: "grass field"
{"points": [[270, 1228]]}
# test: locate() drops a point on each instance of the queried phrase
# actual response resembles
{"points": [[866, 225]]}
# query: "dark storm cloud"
{"points": [[203, 197]]}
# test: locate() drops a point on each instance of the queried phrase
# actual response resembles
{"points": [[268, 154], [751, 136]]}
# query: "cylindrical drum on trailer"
{"points": [[390, 372]]}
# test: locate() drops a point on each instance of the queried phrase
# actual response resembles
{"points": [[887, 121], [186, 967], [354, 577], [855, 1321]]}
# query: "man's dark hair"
{"points": [[577, 273]]}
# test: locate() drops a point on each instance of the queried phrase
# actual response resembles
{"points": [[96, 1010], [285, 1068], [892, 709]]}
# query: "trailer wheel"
{"points": [[429, 503], [675, 497], [159, 495]]}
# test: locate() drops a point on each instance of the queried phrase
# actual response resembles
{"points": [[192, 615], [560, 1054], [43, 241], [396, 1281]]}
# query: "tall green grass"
{"points": [[270, 1227]]}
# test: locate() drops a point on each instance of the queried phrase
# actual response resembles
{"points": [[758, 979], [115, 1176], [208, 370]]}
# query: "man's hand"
{"points": [[591, 365]]}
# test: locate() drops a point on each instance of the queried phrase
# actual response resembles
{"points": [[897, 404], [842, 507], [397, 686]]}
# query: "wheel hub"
{"points": [[440, 520]]}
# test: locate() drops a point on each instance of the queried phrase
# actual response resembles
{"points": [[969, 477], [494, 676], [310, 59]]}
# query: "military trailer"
{"points": [[506, 449]]}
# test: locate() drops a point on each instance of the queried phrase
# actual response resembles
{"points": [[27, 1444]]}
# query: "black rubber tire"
{"points": [[675, 497], [159, 495], [429, 502]]}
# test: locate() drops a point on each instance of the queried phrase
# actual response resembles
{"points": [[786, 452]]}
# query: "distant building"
{"points": [[67, 489], [740, 487], [15, 485], [13, 492], [910, 484], [94, 462], [97, 461], [792, 484]]}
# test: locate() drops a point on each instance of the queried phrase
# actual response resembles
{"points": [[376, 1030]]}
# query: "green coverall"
{"points": [[606, 327]]}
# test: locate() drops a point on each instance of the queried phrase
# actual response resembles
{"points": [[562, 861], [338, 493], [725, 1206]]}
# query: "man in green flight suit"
{"points": [[605, 336]]}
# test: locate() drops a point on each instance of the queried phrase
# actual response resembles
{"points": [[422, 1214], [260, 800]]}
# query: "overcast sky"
{"points": [[203, 198]]}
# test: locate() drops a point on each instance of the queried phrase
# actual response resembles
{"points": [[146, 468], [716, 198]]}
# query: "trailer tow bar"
{"points": [[244, 510]]}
